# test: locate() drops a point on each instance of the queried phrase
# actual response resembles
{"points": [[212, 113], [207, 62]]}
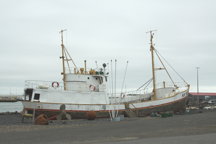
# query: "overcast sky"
{"points": [[101, 30]]}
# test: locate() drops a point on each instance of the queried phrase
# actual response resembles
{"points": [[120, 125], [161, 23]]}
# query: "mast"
{"points": [[153, 65], [63, 58]]}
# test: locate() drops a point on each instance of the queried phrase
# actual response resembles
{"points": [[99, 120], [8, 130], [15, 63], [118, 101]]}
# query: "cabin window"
{"points": [[28, 93], [36, 96]]}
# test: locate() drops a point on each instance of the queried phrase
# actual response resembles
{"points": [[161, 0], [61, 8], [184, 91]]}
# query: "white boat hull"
{"points": [[176, 102]]}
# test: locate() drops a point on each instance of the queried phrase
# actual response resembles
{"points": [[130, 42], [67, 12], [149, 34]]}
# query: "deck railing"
{"points": [[36, 84]]}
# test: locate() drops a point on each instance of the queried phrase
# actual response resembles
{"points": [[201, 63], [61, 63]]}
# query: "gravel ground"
{"points": [[187, 128], [10, 119]]}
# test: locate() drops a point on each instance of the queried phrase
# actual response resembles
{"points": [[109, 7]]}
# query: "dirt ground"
{"points": [[188, 128]]}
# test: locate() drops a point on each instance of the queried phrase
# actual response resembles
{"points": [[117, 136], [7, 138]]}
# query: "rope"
{"points": [[124, 77], [165, 68], [171, 67], [66, 59], [148, 82], [70, 57]]}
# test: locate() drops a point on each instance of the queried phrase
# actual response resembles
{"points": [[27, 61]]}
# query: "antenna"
{"points": [[151, 34], [96, 64], [61, 32], [151, 31]]}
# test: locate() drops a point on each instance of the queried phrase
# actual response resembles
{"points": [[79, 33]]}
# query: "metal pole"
{"points": [[198, 84], [33, 117]]}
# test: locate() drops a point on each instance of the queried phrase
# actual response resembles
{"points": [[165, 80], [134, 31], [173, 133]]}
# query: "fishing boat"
{"points": [[85, 91]]}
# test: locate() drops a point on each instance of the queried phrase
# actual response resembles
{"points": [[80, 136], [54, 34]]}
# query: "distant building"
{"points": [[195, 98]]}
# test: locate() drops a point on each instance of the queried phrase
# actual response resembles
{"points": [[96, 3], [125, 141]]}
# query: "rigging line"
{"points": [[165, 69], [70, 58], [116, 114], [111, 79], [109, 90], [172, 68], [66, 58], [145, 84], [112, 100], [121, 94], [115, 76], [107, 103], [124, 77]]}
